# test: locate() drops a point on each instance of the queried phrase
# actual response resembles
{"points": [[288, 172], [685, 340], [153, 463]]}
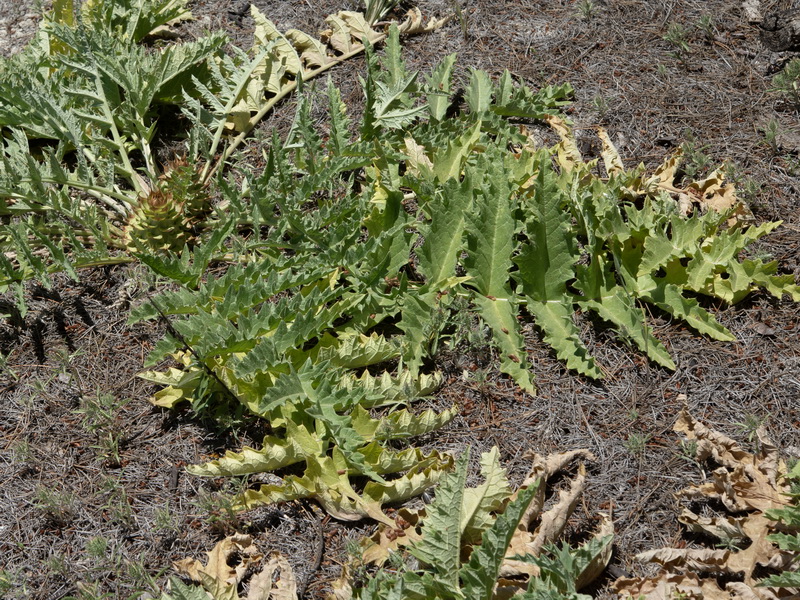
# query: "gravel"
{"points": [[18, 22]]}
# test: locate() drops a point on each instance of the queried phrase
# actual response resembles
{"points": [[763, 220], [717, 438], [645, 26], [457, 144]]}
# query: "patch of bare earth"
{"points": [[92, 491]]}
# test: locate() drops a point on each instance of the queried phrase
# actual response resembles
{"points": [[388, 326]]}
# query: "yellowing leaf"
{"points": [[567, 154], [484, 499], [312, 51], [610, 155], [417, 159], [339, 35], [326, 479], [266, 33], [358, 26], [281, 59], [414, 24]]}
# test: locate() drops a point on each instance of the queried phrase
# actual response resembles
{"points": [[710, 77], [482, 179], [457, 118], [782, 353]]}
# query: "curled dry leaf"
{"points": [[568, 155], [553, 521], [228, 564], [217, 566], [747, 485], [698, 560], [276, 580], [609, 153], [543, 468], [664, 586], [550, 523], [414, 24], [713, 194], [554, 463], [744, 481], [727, 529], [665, 174]]}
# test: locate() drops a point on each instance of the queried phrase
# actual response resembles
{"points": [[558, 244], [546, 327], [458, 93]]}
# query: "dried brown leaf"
{"points": [[745, 481], [387, 539], [723, 528], [599, 562], [544, 467], [508, 588], [665, 586], [713, 194], [217, 576], [414, 24], [741, 591], [238, 544], [189, 568], [276, 580], [668, 169], [698, 560], [609, 153], [747, 485], [553, 521]]}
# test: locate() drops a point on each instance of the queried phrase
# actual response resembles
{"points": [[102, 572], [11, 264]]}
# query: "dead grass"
{"points": [[93, 498]]}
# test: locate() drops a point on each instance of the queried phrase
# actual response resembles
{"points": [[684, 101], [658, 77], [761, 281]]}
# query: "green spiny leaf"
{"points": [[546, 267], [439, 85], [479, 575], [479, 92], [440, 546], [500, 314], [448, 162], [443, 243], [488, 497], [491, 228]]}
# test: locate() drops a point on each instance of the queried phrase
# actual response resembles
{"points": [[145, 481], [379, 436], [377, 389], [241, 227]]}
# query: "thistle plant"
{"points": [[81, 111], [368, 244], [483, 542]]}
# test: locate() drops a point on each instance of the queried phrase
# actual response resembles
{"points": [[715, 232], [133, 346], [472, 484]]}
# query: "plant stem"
{"points": [[285, 91]]}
